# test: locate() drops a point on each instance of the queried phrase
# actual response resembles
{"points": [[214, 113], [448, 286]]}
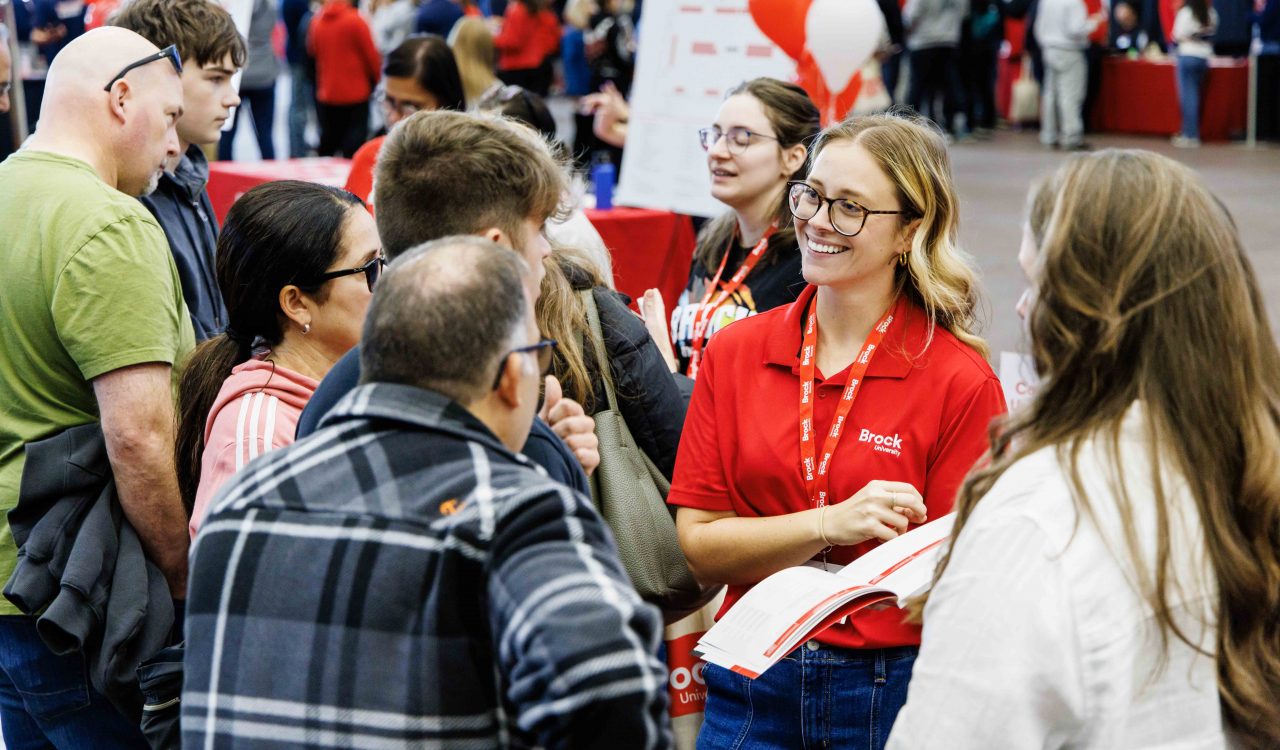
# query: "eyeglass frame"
{"points": [[169, 53], [384, 99], [370, 278], [793, 184], [537, 348], [729, 142]]}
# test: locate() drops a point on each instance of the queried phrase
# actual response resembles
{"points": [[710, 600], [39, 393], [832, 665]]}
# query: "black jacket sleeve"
{"points": [[648, 397]]}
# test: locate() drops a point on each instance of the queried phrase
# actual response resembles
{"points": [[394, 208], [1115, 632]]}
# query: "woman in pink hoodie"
{"points": [[296, 266]]}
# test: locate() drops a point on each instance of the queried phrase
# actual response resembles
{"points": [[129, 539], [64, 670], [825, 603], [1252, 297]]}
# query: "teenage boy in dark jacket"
{"points": [[211, 51]]}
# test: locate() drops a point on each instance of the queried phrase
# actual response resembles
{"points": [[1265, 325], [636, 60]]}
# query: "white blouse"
{"points": [[1037, 637]]}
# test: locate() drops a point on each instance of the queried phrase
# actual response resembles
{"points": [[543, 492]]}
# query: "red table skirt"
{"points": [[1141, 96], [228, 180], [649, 248]]}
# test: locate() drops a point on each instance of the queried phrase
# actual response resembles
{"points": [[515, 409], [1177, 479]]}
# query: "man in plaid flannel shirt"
{"points": [[403, 577]]}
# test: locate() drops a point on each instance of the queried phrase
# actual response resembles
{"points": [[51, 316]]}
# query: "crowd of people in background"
{"points": [[347, 440], [333, 53]]}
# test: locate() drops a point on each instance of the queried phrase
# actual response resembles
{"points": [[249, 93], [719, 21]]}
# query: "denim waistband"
{"points": [[836, 655]]}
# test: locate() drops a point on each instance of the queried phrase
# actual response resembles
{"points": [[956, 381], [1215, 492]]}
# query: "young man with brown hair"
{"points": [[446, 173], [211, 51]]}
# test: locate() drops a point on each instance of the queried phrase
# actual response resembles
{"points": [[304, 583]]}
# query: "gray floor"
{"points": [[993, 178]]}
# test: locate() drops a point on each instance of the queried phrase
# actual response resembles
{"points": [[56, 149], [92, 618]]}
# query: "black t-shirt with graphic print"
{"points": [[775, 281]]}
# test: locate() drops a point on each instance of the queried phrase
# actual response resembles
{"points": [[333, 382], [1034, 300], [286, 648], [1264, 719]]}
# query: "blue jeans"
{"points": [[263, 104], [1191, 74], [46, 702], [823, 697]]}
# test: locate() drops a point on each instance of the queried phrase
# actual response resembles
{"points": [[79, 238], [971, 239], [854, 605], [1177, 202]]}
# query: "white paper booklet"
{"points": [[793, 605]]}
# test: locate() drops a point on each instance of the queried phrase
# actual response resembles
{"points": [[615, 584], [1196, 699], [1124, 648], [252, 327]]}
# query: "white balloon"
{"points": [[843, 35]]}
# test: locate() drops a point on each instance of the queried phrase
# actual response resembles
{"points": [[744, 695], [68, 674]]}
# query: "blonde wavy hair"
{"points": [[938, 275], [476, 56]]}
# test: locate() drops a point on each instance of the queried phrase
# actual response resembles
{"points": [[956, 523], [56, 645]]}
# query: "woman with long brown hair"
{"points": [[1114, 576], [747, 260]]}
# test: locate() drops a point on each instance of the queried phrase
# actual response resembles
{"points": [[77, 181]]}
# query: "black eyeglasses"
{"points": [[542, 349], [372, 272], [804, 201], [169, 53], [738, 139]]}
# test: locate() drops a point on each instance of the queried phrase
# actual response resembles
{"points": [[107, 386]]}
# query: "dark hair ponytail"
{"points": [[277, 234]]}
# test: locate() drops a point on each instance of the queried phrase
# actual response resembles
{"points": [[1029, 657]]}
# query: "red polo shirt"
{"points": [[921, 417]]}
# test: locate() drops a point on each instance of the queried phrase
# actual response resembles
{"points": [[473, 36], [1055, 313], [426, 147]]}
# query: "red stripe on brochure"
{"points": [[906, 560]]}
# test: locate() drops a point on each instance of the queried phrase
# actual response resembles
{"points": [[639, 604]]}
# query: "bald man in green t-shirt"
{"points": [[93, 326]]}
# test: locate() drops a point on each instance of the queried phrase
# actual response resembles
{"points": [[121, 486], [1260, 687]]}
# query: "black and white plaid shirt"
{"points": [[400, 579]]}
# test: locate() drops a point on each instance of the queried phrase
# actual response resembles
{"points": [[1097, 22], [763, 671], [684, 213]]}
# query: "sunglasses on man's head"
{"points": [[169, 53]]}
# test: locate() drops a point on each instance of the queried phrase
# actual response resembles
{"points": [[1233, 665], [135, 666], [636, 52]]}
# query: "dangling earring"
{"points": [[902, 258], [306, 328]]}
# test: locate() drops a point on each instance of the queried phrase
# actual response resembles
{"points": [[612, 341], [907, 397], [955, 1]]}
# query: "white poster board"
{"points": [[690, 53]]}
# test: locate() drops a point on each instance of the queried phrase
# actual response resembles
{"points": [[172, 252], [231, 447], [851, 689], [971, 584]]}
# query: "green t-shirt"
{"points": [[88, 286]]}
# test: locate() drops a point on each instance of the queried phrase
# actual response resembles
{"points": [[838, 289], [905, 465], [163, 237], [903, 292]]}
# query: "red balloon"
{"points": [[783, 22], [832, 106]]}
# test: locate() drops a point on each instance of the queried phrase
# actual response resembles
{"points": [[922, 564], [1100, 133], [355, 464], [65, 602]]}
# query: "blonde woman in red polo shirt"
{"points": [[880, 341]]}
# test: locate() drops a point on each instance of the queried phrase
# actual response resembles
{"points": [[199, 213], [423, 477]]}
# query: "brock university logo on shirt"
{"points": [[891, 444]]}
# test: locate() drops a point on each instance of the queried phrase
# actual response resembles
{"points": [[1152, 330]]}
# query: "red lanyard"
{"points": [[817, 473], [707, 308]]}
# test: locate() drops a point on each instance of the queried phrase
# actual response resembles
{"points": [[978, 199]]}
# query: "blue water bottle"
{"points": [[603, 175]]}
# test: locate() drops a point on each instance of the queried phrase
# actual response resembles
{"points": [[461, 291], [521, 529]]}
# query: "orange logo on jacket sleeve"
{"points": [[449, 507]]}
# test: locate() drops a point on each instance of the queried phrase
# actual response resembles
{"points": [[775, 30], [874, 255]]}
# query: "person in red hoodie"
{"points": [[296, 263], [347, 69], [522, 44]]}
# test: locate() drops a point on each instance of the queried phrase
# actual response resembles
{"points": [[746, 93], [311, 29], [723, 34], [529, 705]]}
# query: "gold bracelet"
{"points": [[822, 531]]}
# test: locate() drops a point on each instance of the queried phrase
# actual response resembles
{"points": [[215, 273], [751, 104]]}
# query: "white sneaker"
{"points": [[1181, 141]]}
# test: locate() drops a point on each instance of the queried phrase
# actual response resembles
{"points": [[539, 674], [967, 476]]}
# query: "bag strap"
{"points": [[597, 343]]}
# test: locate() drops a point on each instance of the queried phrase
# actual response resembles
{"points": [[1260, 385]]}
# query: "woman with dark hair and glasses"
{"points": [[746, 260], [297, 263], [419, 75]]}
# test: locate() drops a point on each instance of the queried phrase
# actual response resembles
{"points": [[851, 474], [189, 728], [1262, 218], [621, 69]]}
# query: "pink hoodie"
{"points": [[256, 410]]}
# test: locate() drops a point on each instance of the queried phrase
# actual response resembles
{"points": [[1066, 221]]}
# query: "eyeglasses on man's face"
{"points": [[737, 138], [846, 216], [169, 53], [542, 350], [372, 272]]}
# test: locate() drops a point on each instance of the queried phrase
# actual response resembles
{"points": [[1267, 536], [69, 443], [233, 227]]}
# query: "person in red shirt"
{"points": [[347, 64], [521, 44], [820, 428], [419, 75]]}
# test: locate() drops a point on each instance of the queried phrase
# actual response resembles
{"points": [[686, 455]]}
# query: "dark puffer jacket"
{"points": [[648, 396]]}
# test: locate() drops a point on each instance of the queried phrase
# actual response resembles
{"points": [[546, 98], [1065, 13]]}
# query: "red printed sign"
{"points": [[684, 678]]}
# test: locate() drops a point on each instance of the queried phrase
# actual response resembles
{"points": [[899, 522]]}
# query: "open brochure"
{"points": [[793, 605]]}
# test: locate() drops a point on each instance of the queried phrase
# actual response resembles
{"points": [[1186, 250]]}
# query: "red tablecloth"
{"points": [[1141, 96], [650, 249], [228, 180]]}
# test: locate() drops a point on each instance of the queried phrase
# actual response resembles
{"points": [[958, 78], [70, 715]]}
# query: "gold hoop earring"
{"points": [[902, 258]]}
